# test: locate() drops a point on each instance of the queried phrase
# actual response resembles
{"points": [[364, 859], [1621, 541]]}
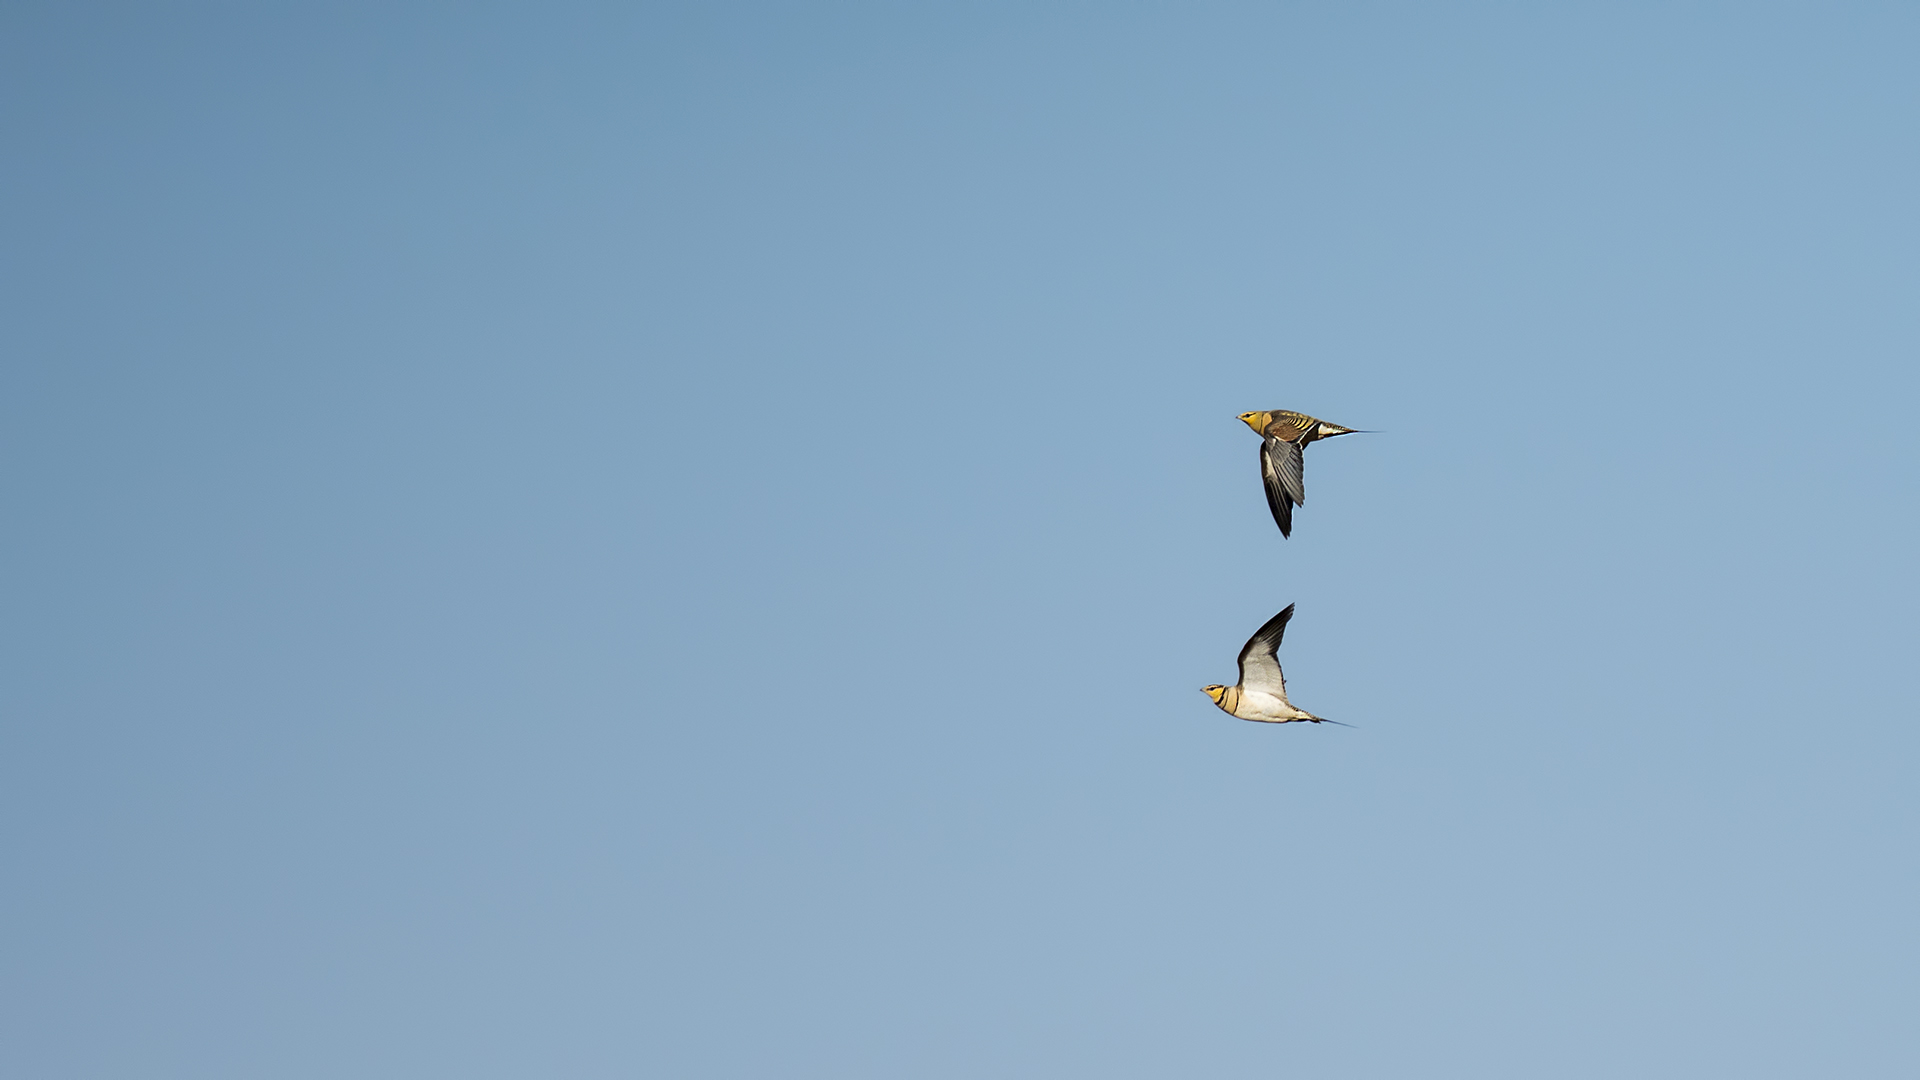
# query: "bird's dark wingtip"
{"points": [[1282, 514]]}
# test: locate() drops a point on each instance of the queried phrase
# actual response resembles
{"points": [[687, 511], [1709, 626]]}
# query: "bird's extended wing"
{"points": [[1280, 473], [1260, 657]]}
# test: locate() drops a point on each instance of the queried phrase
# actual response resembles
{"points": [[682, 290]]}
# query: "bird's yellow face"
{"points": [[1258, 421], [1214, 692]]}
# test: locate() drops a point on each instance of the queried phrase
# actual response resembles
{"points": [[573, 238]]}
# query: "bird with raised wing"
{"points": [[1284, 437], [1261, 693]]}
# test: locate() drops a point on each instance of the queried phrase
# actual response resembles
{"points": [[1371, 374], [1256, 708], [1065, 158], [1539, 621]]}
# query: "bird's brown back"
{"points": [[1288, 426]]}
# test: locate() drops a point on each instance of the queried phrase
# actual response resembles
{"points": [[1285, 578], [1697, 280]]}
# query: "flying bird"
{"points": [[1261, 693], [1283, 437]]}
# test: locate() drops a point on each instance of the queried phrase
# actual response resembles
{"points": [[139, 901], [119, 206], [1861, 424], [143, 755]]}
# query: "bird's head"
{"points": [[1258, 421], [1214, 692]]}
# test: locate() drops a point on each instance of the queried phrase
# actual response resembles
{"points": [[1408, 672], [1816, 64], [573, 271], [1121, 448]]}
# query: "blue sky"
{"points": [[685, 541]]}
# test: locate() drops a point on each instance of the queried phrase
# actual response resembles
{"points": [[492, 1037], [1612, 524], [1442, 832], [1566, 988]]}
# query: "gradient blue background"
{"points": [[683, 541]]}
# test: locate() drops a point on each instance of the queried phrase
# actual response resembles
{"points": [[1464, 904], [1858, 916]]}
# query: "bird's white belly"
{"points": [[1258, 705]]}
